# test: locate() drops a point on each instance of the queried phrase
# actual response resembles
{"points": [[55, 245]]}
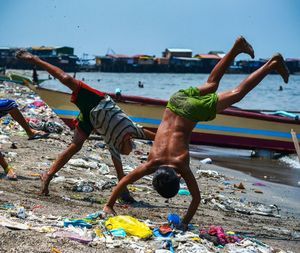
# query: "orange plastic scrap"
{"points": [[34, 174]]}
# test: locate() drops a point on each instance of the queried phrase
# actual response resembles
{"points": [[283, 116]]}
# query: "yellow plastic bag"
{"points": [[131, 226]]}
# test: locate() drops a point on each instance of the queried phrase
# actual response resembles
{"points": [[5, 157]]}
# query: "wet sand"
{"points": [[276, 170]]}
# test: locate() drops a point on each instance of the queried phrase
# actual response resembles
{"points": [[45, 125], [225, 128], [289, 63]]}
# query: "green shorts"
{"points": [[191, 105], [86, 98]]}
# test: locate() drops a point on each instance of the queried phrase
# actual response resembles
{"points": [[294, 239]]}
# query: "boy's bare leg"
{"points": [[63, 158], [240, 46], [58, 73], [276, 63], [7, 168], [18, 116]]}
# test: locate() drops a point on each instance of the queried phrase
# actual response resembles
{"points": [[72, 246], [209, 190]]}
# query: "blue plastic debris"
{"points": [[77, 223], [184, 192], [174, 219], [118, 232]]}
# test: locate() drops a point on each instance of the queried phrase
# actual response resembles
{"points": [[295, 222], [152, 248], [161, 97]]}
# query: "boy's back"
{"points": [[172, 141]]}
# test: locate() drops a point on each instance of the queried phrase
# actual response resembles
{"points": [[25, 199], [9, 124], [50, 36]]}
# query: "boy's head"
{"points": [[166, 181]]}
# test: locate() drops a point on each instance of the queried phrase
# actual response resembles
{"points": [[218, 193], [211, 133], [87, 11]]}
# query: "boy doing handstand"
{"points": [[97, 112], [169, 156]]}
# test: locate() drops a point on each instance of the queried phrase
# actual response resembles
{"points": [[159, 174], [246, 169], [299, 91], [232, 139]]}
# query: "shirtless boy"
{"points": [[169, 156]]}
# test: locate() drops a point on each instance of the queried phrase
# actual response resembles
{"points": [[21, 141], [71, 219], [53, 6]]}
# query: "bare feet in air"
{"points": [[244, 46], [281, 67], [25, 56], [45, 184]]}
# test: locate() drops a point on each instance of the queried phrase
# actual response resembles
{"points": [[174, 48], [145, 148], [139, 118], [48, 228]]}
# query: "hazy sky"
{"points": [[149, 26]]}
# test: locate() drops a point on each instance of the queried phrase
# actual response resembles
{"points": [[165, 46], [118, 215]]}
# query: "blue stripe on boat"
{"points": [[198, 126], [66, 112], [224, 129]]}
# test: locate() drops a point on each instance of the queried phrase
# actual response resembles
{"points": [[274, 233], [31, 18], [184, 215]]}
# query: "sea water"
{"points": [[266, 96]]}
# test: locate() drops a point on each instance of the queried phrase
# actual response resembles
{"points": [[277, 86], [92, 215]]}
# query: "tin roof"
{"points": [[177, 50], [118, 56], [208, 56]]}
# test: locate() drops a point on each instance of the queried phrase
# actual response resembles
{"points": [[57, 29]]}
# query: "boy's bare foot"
{"points": [[281, 67], [244, 46], [10, 174], [109, 211], [36, 134], [45, 184], [25, 56]]}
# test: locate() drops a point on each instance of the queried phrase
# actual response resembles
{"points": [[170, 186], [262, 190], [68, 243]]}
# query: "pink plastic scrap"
{"points": [[222, 237]]}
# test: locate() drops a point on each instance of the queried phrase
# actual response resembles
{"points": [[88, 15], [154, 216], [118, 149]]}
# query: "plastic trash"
{"points": [[166, 246], [76, 223], [259, 184], [53, 127], [93, 216], [21, 213], [12, 224], [158, 233], [174, 219], [131, 225], [38, 103], [206, 161], [208, 173], [7, 206], [118, 232], [72, 236], [184, 192], [103, 168], [83, 187]]}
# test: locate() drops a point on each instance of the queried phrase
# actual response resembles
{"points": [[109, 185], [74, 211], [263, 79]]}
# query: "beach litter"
{"points": [[38, 214], [231, 205], [131, 225], [127, 232], [206, 161]]}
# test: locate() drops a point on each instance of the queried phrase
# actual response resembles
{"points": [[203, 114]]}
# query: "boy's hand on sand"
{"points": [[45, 184], [25, 56], [181, 226], [109, 211]]}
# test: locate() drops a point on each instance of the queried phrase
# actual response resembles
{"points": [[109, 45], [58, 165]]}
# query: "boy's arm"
{"points": [[118, 166], [133, 176], [191, 182], [149, 134]]}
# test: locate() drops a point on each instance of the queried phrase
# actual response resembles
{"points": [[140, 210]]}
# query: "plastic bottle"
{"points": [[206, 161]]}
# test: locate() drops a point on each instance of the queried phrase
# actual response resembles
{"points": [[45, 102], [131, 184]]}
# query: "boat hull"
{"points": [[233, 128]]}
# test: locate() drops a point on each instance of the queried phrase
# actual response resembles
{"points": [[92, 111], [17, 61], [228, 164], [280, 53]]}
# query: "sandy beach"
{"points": [[220, 189]]}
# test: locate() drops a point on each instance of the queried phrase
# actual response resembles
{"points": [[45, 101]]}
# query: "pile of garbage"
{"points": [[36, 112], [127, 232]]}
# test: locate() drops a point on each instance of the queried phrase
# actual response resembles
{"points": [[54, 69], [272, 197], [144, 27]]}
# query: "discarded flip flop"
{"points": [[39, 136], [10, 174]]}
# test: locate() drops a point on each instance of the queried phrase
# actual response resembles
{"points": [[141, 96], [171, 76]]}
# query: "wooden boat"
{"points": [[235, 128]]}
